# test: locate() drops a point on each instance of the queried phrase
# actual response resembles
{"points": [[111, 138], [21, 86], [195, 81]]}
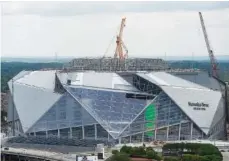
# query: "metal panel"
{"points": [[31, 103], [108, 80], [201, 78], [199, 105], [103, 80], [40, 79], [220, 112], [10, 110], [166, 79]]}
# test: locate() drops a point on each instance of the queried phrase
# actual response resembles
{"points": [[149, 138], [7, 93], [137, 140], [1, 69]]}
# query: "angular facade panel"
{"points": [[196, 104], [157, 116], [113, 110], [31, 103], [65, 113]]}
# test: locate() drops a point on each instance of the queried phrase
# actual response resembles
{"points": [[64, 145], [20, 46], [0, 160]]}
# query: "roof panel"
{"points": [[106, 80], [40, 79], [166, 79], [201, 78]]}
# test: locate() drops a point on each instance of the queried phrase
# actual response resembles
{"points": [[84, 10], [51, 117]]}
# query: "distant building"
{"points": [[125, 106]]}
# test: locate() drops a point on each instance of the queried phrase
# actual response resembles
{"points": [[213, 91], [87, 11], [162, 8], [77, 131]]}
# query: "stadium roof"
{"points": [[166, 79], [107, 80], [34, 92]]}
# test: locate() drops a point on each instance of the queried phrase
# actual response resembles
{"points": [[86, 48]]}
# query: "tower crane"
{"points": [[120, 44], [210, 51]]}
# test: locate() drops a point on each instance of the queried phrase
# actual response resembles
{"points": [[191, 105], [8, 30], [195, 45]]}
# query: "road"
{"points": [[46, 154], [225, 156]]}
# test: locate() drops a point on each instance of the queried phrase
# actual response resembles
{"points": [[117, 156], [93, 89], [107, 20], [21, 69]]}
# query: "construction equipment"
{"points": [[214, 64], [120, 45]]}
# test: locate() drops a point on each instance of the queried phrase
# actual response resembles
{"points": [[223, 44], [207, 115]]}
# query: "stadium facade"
{"points": [[124, 106]]}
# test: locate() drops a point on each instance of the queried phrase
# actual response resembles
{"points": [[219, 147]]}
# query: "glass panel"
{"points": [[125, 140], [41, 133], [159, 114], [65, 113], [196, 133], [101, 132], [173, 132], [65, 132], [113, 110], [53, 133], [89, 132], [149, 136], [162, 134], [77, 132], [185, 131], [136, 138]]}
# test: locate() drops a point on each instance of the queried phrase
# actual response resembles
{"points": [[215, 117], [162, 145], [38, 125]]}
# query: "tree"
{"points": [[119, 157]]}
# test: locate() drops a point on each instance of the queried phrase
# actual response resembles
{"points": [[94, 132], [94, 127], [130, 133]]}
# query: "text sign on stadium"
{"points": [[198, 105]]}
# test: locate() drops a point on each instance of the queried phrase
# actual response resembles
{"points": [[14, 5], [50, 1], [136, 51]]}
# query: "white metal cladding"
{"points": [[108, 80], [21, 74], [220, 112], [182, 97], [41, 79], [201, 78], [166, 79], [31, 103], [10, 110]]}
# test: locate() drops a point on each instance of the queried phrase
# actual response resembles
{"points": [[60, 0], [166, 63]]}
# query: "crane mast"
{"points": [[210, 51], [120, 45]]}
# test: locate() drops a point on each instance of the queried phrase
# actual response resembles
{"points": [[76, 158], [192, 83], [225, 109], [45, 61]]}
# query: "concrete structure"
{"points": [[130, 106]]}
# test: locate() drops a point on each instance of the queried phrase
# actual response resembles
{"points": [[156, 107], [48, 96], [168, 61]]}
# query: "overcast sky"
{"points": [[82, 29]]}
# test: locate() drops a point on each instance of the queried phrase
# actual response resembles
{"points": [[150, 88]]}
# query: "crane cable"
{"points": [[116, 33]]}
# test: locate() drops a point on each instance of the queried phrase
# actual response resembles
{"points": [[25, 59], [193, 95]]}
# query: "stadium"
{"points": [[123, 106]]}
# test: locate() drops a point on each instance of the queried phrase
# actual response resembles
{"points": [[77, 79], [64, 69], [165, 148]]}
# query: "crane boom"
{"points": [[120, 45], [210, 51]]}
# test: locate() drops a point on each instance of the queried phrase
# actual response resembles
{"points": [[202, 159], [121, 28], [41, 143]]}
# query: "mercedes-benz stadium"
{"points": [[136, 106]]}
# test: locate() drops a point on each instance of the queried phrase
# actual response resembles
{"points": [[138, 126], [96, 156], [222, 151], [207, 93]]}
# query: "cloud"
{"points": [[61, 8], [146, 34]]}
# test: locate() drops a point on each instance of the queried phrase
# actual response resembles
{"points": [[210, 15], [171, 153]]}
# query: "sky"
{"points": [[88, 29]]}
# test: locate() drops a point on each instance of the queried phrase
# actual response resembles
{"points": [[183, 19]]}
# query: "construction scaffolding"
{"points": [[115, 64]]}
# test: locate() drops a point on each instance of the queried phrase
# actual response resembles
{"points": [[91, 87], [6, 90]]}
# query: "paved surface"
{"points": [[225, 156], [45, 154]]}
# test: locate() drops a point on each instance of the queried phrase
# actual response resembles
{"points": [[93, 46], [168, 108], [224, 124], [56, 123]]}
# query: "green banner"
{"points": [[150, 116]]}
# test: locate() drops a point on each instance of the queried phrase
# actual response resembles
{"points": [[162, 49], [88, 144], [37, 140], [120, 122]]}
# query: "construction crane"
{"points": [[214, 67], [120, 45]]}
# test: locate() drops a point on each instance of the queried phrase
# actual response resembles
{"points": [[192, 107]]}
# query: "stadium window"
{"points": [[138, 96]]}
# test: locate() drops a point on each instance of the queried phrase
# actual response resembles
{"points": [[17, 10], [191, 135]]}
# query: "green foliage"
{"points": [[115, 151], [171, 159], [139, 151], [120, 157], [126, 149], [152, 155], [202, 152], [145, 152], [213, 158]]}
